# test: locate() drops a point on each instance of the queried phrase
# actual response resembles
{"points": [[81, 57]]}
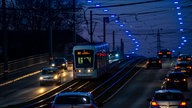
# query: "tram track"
{"points": [[100, 88]]}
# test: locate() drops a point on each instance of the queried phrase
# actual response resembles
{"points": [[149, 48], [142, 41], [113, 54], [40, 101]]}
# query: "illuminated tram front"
{"points": [[91, 60]]}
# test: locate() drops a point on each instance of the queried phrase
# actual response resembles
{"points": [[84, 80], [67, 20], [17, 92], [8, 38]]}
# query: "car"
{"points": [[185, 67], [51, 75], [164, 53], [184, 58], [153, 62], [59, 62], [168, 99], [176, 80], [73, 100]]}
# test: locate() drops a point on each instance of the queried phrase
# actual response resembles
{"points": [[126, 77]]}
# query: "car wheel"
{"points": [[41, 84]]}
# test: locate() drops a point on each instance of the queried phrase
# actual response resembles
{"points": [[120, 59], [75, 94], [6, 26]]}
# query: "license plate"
{"points": [[154, 62], [183, 70], [164, 55], [176, 80]]}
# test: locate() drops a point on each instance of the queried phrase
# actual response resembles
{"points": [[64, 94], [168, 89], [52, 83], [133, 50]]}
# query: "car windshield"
{"points": [[72, 100], [50, 71], [177, 76], [183, 64], [169, 96], [59, 60]]}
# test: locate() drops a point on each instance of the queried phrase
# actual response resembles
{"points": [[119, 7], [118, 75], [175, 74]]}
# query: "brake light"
{"points": [[183, 103], [160, 61], [177, 67], [179, 59], [188, 58], [160, 53], [147, 62], [189, 67], [168, 79], [184, 79], [168, 52], [154, 104]]}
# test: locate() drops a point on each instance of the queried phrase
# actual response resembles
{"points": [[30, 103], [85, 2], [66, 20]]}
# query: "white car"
{"points": [[50, 75], [168, 99]]}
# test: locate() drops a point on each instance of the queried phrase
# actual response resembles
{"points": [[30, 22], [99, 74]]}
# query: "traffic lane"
{"points": [[26, 89], [136, 92]]}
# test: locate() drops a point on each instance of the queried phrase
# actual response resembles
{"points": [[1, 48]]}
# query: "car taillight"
{"points": [[160, 61], [188, 58], [160, 53], [147, 62], [179, 59], [184, 79], [168, 52], [154, 104], [168, 79], [177, 67], [189, 67], [183, 103]]}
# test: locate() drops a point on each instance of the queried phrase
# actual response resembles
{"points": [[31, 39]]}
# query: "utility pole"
{"points": [[50, 34], [113, 40], [74, 21], [5, 40], [91, 27], [104, 34], [158, 41], [122, 48]]}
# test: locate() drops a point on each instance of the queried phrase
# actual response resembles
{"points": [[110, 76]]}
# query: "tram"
{"points": [[90, 60]]}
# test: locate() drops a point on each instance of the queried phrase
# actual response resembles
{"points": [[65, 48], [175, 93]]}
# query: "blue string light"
{"points": [[181, 24], [121, 25]]}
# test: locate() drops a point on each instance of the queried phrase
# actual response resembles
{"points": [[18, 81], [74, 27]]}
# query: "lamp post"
{"points": [[5, 41]]}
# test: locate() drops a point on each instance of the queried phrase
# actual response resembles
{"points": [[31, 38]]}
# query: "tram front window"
{"points": [[84, 58]]}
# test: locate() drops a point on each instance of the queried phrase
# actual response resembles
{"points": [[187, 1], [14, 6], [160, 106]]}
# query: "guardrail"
{"points": [[24, 62]]}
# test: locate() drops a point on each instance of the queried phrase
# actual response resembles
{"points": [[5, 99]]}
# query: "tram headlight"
{"points": [[79, 71], [40, 78], [89, 70]]}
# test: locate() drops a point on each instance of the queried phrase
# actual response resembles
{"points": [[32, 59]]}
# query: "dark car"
{"points": [[176, 80], [168, 99], [154, 62], [74, 100], [182, 58], [185, 67], [59, 62], [164, 53]]}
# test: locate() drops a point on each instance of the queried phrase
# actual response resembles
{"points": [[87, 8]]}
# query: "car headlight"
{"points": [[52, 64], [40, 78], [55, 76], [63, 64]]}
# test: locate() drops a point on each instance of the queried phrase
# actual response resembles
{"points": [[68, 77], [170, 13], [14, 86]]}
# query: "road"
{"points": [[26, 89], [133, 95], [136, 92]]}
